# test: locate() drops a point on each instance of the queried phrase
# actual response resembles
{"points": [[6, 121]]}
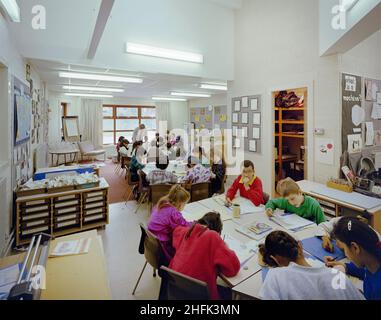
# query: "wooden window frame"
{"points": [[114, 117]]}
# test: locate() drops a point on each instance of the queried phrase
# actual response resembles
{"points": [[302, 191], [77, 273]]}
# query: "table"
{"points": [[176, 167], [336, 203], [81, 277], [195, 211], [72, 154]]}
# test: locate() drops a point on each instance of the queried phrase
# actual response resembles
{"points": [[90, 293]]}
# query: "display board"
{"points": [[22, 112], [220, 118], [372, 107], [247, 120], [353, 115], [202, 117]]}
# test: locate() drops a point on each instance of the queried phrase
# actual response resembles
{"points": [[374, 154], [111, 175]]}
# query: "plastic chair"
{"points": [[181, 287], [266, 197], [157, 191], [153, 253]]}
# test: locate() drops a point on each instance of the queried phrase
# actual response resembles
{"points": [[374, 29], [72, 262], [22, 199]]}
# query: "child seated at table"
{"points": [[166, 216], [248, 184], [125, 149], [202, 254], [197, 173], [161, 175], [292, 277], [361, 245], [136, 160], [294, 201]]}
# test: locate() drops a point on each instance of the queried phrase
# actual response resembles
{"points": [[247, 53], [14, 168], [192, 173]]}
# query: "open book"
{"points": [[290, 222], [243, 251], [73, 247], [255, 230]]}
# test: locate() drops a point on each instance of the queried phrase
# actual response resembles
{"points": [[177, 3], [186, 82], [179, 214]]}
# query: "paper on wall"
{"points": [[237, 105], [376, 111], [245, 102], [358, 115], [374, 90], [377, 162], [325, 151], [354, 143], [369, 141]]}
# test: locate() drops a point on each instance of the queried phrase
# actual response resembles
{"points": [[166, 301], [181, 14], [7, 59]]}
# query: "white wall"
{"points": [[215, 100], [331, 40], [279, 49], [15, 66]]}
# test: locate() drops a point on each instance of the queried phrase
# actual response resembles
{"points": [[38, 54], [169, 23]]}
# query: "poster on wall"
{"points": [[353, 114], [22, 112], [325, 151]]}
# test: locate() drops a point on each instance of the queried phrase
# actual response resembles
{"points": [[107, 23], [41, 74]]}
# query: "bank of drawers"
{"points": [[95, 207], [64, 214]]}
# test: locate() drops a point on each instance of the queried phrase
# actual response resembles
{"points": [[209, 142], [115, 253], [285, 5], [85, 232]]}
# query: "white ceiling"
{"points": [[202, 26], [153, 84]]}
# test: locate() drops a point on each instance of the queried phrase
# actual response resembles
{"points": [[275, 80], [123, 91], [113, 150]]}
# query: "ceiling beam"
{"points": [[103, 16]]}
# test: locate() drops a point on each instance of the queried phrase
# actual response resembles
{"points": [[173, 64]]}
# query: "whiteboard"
{"points": [[71, 128]]}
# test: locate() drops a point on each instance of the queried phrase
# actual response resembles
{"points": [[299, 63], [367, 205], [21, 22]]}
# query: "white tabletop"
{"points": [[176, 167]]}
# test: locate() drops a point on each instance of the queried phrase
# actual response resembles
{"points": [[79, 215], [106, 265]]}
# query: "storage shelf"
{"points": [[290, 122], [289, 109], [287, 135]]}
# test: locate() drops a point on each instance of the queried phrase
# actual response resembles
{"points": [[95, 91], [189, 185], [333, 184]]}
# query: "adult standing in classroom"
{"points": [[140, 134]]}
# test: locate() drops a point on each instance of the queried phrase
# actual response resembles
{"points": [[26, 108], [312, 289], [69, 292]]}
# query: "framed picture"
{"points": [[256, 133], [245, 118], [235, 117], [245, 132], [245, 102], [235, 131], [254, 104], [378, 97], [256, 119], [253, 146], [237, 143]]}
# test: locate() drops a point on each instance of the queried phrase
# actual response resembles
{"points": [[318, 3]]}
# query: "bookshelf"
{"points": [[290, 137]]}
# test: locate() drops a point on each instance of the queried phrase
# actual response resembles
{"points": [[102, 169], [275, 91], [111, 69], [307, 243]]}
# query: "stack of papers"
{"points": [[8, 278], [255, 230], [73, 247], [243, 251], [291, 222], [194, 211], [247, 207]]}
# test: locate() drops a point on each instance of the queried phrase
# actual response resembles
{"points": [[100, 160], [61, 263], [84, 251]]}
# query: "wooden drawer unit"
{"points": [[61, 213]]}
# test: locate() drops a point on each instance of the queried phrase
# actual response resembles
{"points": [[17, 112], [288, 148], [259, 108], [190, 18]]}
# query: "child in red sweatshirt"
{"points": [[202, 254], [248, 184]]}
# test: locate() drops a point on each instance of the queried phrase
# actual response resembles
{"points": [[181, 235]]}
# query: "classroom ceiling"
{"points": [[153, 84], [93, 34]]}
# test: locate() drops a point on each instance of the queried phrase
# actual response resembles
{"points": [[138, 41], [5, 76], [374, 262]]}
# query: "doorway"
{"points": [[290, 135]]}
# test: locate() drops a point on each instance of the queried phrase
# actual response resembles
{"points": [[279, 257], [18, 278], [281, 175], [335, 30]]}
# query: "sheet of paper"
{"points": [[254, 104], [218, 205], [324, 151], [245, 132], [235, 117], [9, 275], [257, 119], [194, 211], [237, 105], [369, 141], [376, 111], [256, 133], [245, 102], [354, 143], [253, 146], [358, 115], [291, 222], [245, 118], [242, 251], [247, 206], [74, 247]]}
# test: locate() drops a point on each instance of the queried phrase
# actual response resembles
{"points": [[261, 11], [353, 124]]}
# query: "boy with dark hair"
{"points": [[248, 184]]}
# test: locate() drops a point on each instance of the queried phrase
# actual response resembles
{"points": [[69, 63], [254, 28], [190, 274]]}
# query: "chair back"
{"points": [[222, 190], [129, 179], [182, 287], [85, 146], [142, 179], [152, 248], [199, 191], [158, 191], [266, 197]]}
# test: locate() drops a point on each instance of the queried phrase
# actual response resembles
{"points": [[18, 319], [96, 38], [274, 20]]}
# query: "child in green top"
{"points": [[294, 201]]}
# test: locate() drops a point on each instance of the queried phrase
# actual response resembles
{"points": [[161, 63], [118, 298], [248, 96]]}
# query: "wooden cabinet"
{"points": [[61, 213]]}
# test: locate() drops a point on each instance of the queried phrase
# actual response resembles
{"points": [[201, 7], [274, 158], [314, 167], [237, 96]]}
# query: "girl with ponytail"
{"points": [[166, 216], [361, 245], [293, 277]]}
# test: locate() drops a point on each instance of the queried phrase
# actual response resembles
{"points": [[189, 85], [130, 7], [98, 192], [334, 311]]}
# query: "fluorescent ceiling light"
{"points": [[221, 87], [12, 9], [164, 53], [348, 4], [88, 95], [168, 99], [187, 94], [100, 89], [98, 77]]}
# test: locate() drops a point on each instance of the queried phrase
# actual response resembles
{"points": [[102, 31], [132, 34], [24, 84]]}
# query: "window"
{"points": [[123, 120]]}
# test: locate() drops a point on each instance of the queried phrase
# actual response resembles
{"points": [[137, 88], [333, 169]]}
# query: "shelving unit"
{"points": [[290, 137], [62, 213]]}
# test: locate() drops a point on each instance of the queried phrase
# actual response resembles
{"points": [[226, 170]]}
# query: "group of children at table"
{"points": [[196, 249]]}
